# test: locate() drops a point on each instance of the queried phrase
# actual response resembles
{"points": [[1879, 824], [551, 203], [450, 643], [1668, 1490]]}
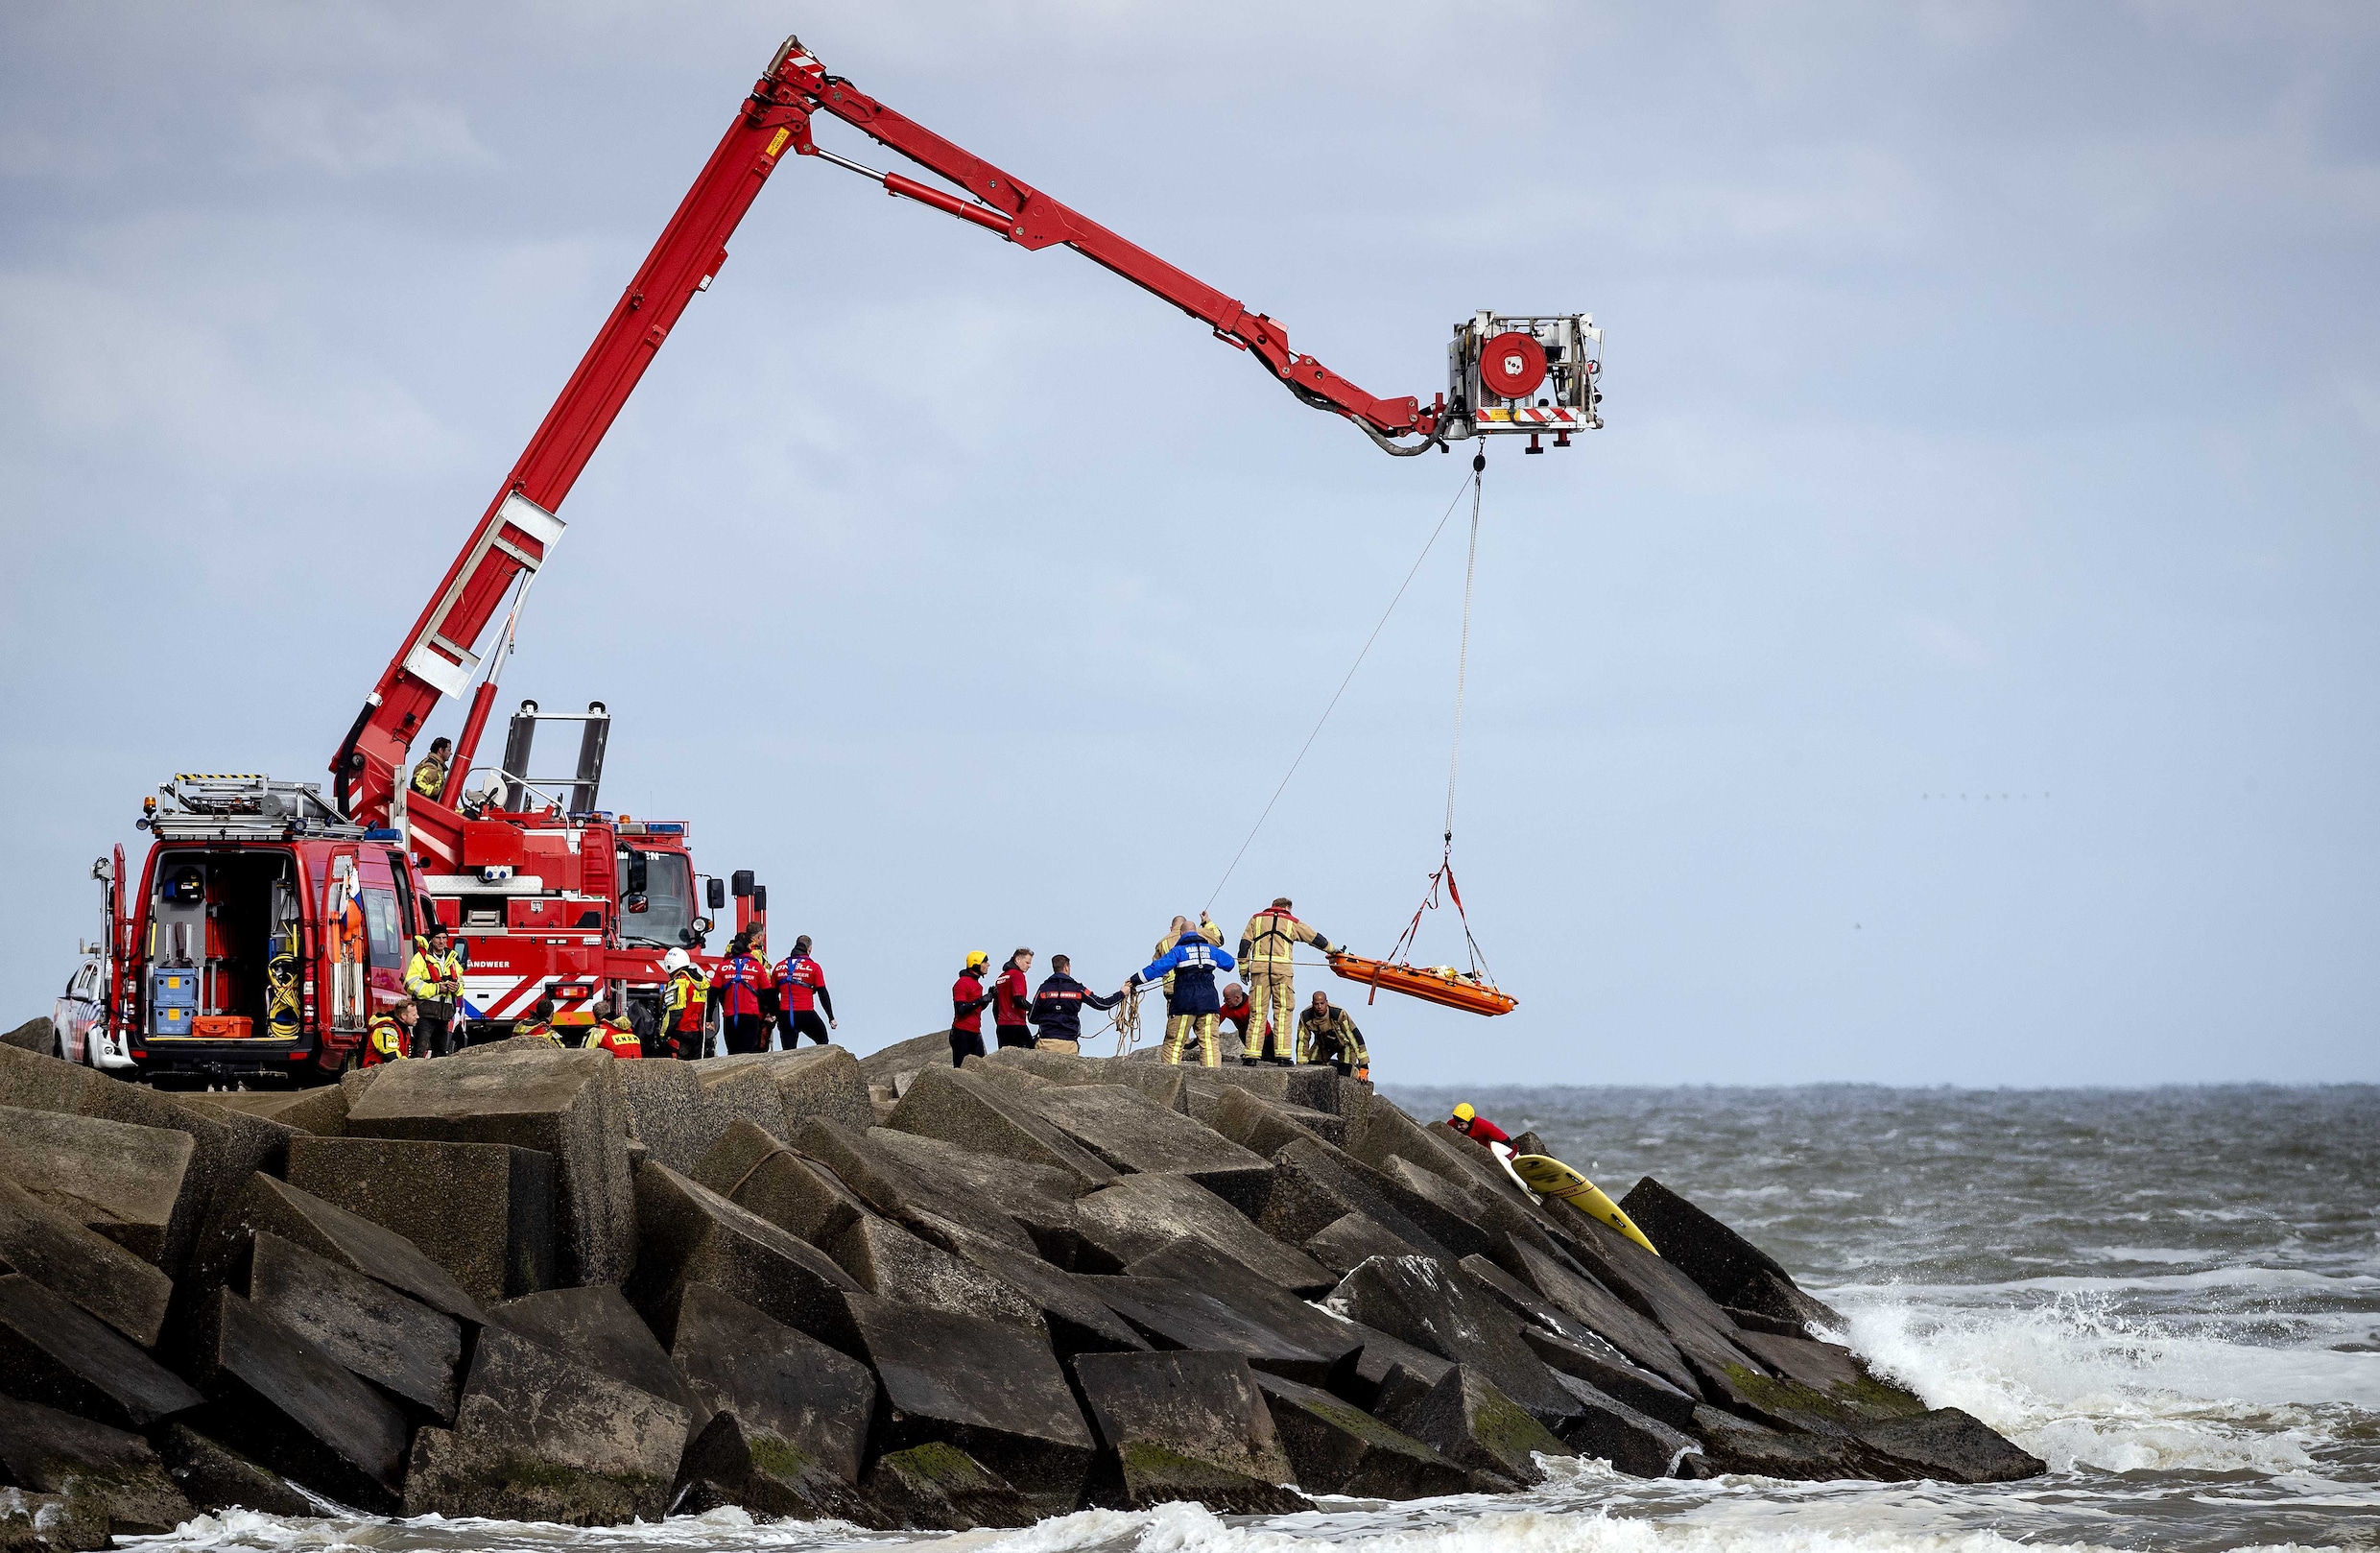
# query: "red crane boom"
{"points": [[516, 534]]}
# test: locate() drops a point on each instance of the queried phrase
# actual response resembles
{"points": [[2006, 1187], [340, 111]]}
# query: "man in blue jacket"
{"points": [[1191, 1003], [1057, 1007]]}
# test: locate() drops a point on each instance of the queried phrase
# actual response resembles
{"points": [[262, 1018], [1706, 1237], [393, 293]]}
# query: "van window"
{"points": [[408, 910], [380, 927]]}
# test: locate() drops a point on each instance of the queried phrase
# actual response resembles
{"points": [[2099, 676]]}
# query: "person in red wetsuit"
{"points": [[737, 989], [967, 998], [1236, 1013], [1012, 1002], [800, 993], [1472, 1125]]}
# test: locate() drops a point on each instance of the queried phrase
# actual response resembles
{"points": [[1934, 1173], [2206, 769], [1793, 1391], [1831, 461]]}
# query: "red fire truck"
{"points": [[226, 957]]}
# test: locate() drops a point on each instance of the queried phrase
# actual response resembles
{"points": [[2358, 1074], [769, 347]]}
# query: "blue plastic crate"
{"points": [[174, 989]]}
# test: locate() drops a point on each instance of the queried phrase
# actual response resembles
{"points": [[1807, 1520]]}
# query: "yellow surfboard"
{"points": [[1551, 1178]]}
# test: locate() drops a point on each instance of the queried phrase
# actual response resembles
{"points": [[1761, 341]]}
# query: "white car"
{"points": [[79, 1019]]}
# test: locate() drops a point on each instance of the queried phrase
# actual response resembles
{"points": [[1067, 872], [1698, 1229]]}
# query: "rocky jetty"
{"points": [[548, 1286]]}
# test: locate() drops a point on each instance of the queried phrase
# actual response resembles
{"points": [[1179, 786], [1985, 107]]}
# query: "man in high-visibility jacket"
{"points": [[389, 1038], [433, 980], [685, 1007], [737, 988], [1265, 944], [538, 1024], [1326, 1034], [613, 1033], [429, 772]]}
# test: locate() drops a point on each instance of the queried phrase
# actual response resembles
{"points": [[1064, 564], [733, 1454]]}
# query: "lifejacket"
{"points": [[386, 1041], [618, 1037], [688, 995], [741, 982], [533, 1029]]}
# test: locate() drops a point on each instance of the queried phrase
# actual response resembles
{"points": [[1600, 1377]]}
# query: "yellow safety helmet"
{"points": [[1463, 1112], [977, 957]]}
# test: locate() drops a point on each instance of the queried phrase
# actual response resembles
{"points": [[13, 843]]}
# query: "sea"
{"points": [[2172, 1295]]}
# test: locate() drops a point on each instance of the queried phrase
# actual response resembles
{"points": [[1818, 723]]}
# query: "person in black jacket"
{"points": [[1056, 1012]]}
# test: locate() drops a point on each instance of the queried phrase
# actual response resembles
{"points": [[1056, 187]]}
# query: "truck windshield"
{"points": [[669, 893]]}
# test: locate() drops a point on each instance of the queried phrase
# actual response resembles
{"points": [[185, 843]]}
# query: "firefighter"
{"points": [[1207, 929], [1326, 1034], [967, 998], [741, 980], [434, 977], [538, 1024], [1192, 1006], [685, 1008], [613, 1033], [429, 772], [1266, 943], [1057, 1007], [800, 993], [1012, 1002], [390, 1037]]}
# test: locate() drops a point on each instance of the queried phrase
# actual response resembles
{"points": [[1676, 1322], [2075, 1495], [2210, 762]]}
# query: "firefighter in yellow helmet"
{"points": [[1265, 944]]}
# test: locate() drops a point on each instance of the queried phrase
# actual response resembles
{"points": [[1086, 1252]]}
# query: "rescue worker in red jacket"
{"points": [[1238, 1013], [1012, 1001], [967, 998], [1472, 1125], [390, 1037], [800, 993], [613, 1033], [737, 989]]}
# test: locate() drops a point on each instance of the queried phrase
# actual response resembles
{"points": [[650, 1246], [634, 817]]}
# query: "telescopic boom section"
{"points": [[519, 529]]}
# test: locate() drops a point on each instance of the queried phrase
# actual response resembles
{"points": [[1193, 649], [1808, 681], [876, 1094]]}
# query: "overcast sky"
{"points": [[1953, 664]]}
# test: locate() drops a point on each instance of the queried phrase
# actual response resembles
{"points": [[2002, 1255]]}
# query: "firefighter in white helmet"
{"points": [[686, 1005]]}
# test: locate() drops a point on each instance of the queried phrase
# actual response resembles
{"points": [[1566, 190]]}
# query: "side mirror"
{"points": [[635, 903], [743, 883], [760, 898], [716, 898]]}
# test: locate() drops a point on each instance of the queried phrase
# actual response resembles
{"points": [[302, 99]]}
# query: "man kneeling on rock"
{"points": [[1191, 1003]]}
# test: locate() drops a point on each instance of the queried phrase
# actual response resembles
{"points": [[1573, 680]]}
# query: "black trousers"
{"points": [[963, 1044], [433, 1038], [1013, 1034], [791, 1025], [747, 1033]]}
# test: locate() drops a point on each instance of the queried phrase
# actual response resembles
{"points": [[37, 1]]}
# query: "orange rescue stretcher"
{"points": [[1431, 984]]}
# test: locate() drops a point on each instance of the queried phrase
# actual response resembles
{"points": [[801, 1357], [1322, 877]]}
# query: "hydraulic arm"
{"points": [[1493, 376]]}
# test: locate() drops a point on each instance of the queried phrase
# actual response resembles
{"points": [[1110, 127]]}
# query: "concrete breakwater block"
{"points": [[1336, 1448], [135, 1186], [276, 1398], [47, 1451], [1257, 1300], [802, 1409], [690, 1234], [892, 1264], [1174, 1315], [1077, 1320], [756, 1170], [1472, 1424], [598, 1328], [1352, 1239], [57, 1251], [1593, 1362], [378, 1334], [1634, 1442], [1595, 1307], [1728, 1267], [1133, 1133], [983, 1116], [59, 1354], [1141, 1215], [213, 1476], [989, 1389], [1315, 1185], [226, 1145], [1953, 1446], [1185, 1426], [938, 1485], [276, 1207], [542, 1436], [668, 1111], [780, 1090], [1426, 1304], [1261, 1125], [482, 1212], [567, 1104]]}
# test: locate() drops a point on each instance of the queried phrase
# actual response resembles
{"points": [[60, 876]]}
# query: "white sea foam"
{"points": [[2080, 1383]]}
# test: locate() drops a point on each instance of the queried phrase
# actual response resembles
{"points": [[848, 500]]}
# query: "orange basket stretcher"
{"points": [[1431, 984]]}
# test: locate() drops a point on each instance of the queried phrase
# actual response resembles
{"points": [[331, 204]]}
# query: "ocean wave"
{"points": [[2084, 1384]]}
